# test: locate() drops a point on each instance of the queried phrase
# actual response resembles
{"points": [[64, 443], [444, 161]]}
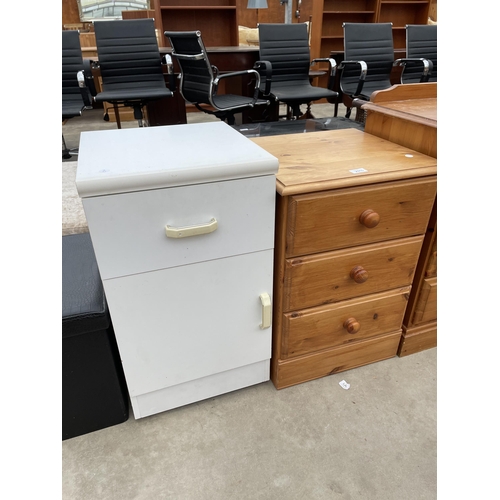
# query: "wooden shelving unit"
{"points": [[328, 17], [400, 13], [216, 19]]}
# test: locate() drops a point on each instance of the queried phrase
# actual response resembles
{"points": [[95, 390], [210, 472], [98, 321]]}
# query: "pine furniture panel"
{"points": [[407, 115]]}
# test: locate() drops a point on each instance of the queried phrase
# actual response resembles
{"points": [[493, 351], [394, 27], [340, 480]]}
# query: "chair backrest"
{"points": [[128, 53], [286, 47], [421, 41], [372, 43], [72, 63], [196, 72]]}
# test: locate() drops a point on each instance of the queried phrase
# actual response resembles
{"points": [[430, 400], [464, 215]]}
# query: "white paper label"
{"points": [[358, 170], [344, 384]]}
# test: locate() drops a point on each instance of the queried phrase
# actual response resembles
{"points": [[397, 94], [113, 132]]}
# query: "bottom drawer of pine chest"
{"points": [[297, 370]]}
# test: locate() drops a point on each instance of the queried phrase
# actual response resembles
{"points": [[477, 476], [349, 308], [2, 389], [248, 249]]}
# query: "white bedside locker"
{"points": [[182, 222]]}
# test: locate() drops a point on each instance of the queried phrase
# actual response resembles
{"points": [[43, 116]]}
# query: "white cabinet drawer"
{"points": [[189, 322], [128, 230]]}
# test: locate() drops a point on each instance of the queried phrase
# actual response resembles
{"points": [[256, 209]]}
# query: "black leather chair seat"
{"points": [[289, 91], [72, 106], [140, 92], [232, 101]]}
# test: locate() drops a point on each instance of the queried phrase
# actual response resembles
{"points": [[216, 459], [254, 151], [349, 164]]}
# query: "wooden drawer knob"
{"points": [[352, 325], [369, 218], [359, 274]]}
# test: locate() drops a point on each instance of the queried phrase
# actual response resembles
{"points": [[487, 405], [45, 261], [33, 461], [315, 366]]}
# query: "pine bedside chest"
{"points": [[182, 223], [352, 211]]}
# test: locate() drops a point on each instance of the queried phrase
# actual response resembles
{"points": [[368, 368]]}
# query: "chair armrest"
{"points": [[426, 63], [219, 77], [89, 78], [172, 82], [363, 69], [265, 69], [86, 83], [84, 91], [332, 69]]}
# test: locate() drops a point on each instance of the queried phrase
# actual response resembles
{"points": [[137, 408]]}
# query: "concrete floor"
{"points": [[313, 441]]}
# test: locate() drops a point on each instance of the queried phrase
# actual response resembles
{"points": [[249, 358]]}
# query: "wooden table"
{"points": [[407, 115]]}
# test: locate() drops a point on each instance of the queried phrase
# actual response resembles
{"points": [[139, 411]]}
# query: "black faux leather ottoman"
{"points": [[94, 392]]}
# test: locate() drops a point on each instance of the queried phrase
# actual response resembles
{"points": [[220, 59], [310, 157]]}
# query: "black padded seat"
{"points": [[71, 107], [94, 392]]}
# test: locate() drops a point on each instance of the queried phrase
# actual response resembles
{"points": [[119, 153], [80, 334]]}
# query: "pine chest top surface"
{"points": [[324, 160]]}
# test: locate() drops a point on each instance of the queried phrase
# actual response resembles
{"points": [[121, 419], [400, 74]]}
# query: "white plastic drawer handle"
{"points": [[186, 231], [266, 310]]}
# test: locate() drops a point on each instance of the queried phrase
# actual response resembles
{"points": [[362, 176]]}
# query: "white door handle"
{"points": [[266, 310], [186, 231]]}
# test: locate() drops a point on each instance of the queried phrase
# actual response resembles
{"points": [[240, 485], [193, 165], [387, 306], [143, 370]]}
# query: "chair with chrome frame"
{"points": [[284, 63], [420, 63], [77, 82], [367, 64], [199, 80], [130, 64]]}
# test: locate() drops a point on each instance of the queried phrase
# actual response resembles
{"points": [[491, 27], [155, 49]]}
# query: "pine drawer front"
{"points": [[402, 209], [426, 307], [346, 322], [129, 235], [185, 323], [338, 359], [330, 277]]}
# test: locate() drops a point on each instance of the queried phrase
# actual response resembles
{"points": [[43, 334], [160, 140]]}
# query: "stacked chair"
{"points": [[77, 83], [420, 64], [200, 80], [130, 65], [368, 61], [284, 63]]}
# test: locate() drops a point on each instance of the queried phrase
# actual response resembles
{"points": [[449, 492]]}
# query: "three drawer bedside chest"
{"points": [[182, 223], [351, 214]]}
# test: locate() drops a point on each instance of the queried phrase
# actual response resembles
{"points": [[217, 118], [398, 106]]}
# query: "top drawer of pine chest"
{"points": [[319, 222]]}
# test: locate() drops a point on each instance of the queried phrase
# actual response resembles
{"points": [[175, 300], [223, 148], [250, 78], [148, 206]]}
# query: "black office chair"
{"points": [[130, 65], [77, 83], [420, 63], [284, 62], [368, 61], [199, 80]]}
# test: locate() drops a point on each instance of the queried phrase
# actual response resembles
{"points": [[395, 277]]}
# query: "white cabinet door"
{"points": [[180, 324]]}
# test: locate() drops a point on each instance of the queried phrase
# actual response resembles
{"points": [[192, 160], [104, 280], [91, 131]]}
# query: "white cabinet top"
{"points": [[137, 159]]}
